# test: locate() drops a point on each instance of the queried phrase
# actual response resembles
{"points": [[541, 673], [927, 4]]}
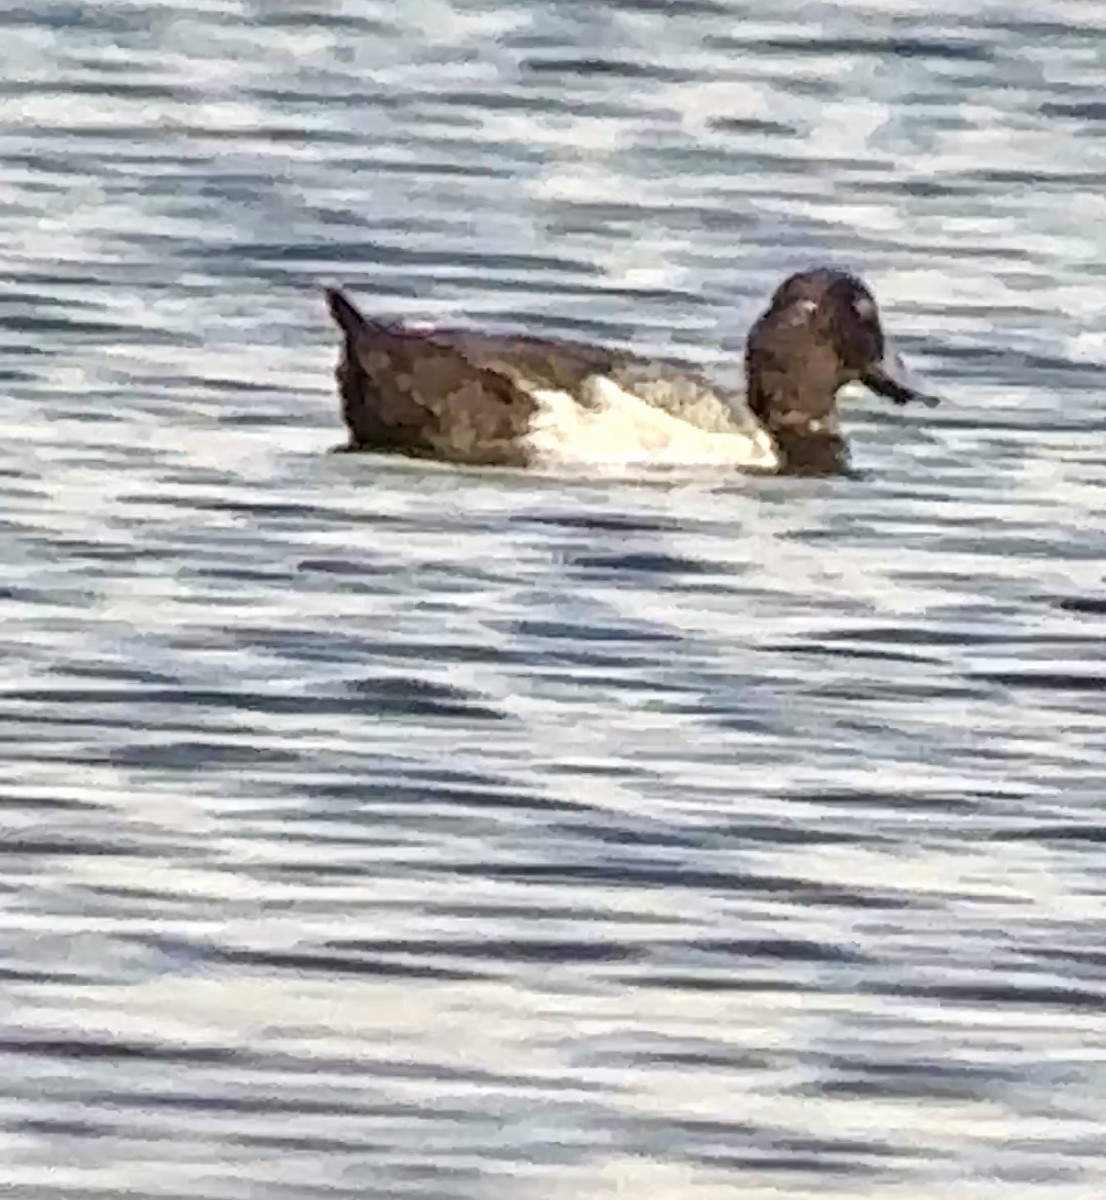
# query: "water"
{"points": [[372, 829]]}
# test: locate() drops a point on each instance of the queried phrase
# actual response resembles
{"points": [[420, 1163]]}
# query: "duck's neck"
{"points": [[800, 415], [810, 451]]}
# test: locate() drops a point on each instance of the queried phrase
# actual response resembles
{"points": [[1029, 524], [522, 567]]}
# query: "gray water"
{"points": [[372, 829]]}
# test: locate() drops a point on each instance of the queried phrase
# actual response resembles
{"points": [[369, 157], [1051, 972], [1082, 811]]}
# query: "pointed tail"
{"points": [[345, 313]]}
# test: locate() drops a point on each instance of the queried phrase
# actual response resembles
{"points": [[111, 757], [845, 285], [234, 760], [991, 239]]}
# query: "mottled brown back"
{"points": [[405, 392]]}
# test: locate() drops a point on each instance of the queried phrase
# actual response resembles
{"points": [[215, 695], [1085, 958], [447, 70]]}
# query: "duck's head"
{"points": [[820, 331]]}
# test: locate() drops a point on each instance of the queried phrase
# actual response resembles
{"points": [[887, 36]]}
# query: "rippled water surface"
{"points": [[373, 829]]}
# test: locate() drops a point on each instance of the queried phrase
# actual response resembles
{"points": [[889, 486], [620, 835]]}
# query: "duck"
{"points": [[475, 398]]}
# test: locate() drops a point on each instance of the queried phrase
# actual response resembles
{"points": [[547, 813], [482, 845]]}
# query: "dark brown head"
{"points": [[820, 331]]}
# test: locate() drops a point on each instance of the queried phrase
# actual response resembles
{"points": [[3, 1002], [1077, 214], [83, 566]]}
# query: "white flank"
{"points": [[612, 427]]}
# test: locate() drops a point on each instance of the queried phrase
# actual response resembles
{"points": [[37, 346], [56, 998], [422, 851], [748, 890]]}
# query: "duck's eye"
{"points": [[865, 308]]}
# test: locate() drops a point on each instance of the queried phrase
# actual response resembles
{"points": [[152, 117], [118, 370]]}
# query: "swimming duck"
{"points": [[468, 397]]}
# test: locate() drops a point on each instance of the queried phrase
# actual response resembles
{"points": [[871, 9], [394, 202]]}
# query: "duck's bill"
{"points": [[892, 378]]}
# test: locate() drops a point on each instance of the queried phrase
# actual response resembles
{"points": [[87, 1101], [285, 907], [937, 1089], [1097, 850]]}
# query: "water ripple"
{"points": [[377, 828]]}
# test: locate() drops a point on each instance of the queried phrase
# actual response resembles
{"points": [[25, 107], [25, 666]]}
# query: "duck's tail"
{"points": [[345, 313]]}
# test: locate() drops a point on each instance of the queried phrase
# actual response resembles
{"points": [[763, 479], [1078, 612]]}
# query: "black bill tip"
{"points": [[890, 377]]}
